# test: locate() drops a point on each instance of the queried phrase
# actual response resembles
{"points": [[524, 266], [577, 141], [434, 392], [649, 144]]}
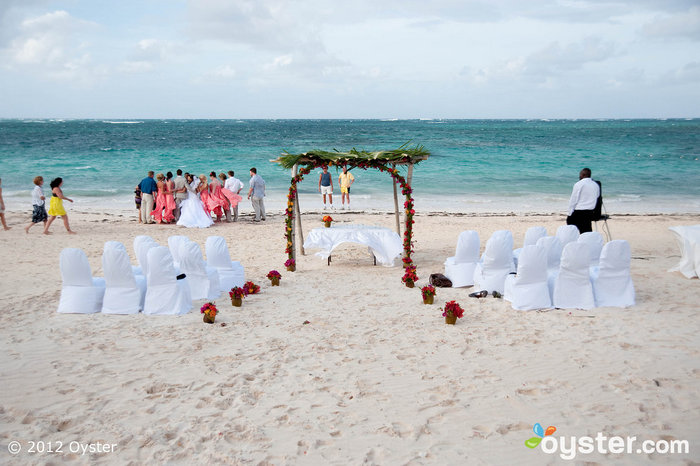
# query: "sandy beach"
{"points": [[375, 377]]}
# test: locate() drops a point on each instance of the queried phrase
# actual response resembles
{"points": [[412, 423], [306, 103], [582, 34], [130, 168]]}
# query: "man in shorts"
{"points": [[325, 187], [345, 179]]}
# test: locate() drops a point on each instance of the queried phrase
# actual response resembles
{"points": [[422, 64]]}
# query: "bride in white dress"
{"points": [[192, 213]]}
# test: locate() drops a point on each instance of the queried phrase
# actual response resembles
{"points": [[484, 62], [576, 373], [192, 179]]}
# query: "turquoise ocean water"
{"points": [[646, 166]]}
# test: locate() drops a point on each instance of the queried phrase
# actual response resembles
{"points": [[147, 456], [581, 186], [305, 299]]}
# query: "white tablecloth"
{"points": [[383, 243], [688, 239]]}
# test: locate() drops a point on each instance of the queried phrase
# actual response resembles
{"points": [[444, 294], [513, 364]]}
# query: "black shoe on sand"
{"points": [[479, 294]]}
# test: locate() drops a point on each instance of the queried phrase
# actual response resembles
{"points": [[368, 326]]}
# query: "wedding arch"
{"points": [[384, 161]]}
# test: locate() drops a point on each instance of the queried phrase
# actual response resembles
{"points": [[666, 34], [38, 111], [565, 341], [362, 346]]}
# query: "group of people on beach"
{"points": [[190, 200]]}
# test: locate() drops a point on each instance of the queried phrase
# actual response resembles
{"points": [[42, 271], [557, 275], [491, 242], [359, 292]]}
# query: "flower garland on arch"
{"points": [[364, 164]]}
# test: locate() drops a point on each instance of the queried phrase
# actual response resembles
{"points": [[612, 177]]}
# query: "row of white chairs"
{"points": [[564, 271], [166, 281]]}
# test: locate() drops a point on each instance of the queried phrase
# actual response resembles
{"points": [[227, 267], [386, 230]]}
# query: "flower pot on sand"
{"points": [[451, 320], [275, 281], [291, 268], [327, 224], [428, 299], [410, 284], [237, 302], [208, 319]]}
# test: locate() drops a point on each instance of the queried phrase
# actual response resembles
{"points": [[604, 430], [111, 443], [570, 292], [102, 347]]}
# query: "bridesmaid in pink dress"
{"points": [[203, 190], [232, 197], [169, 197], [160, 200], [217, 197]]}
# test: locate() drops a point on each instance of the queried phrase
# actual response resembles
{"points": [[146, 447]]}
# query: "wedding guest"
{"points": [[148, 189], [2, 210], [180, 192], [256, 193], [137, 201], [234, 185], [38, 204], [56, 208]]}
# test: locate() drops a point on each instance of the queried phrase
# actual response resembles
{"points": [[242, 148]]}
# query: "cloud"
{"points": [[545, 64], [687, 74], [147, 54], [685, 25], [52, 44]]}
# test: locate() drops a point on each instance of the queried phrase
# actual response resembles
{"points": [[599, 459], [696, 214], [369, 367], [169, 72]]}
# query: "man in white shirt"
{"points": [[234, 185], [583, 201]]}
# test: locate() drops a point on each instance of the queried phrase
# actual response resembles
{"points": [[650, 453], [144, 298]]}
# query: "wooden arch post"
{"points": [[296, 225]]}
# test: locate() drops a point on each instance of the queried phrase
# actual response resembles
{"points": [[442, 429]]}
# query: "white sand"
{"points": [[376, 377]]}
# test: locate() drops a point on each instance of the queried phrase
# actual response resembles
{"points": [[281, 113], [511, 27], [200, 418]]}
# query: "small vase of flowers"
{"points": [[410, 277], [291, 265], [428, 293], [274, 277], [251, 288], [452, 312], [327, 219], [237, 294], [209, 310]]}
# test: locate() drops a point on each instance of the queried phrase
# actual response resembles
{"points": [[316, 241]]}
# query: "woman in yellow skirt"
{"points": [[56, 208]]}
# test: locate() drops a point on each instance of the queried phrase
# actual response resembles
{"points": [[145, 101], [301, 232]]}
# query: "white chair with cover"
{"points": [[566, 234], [139, 242], [572, 287], [532, 235], [595, 243], [124, 292], [174, 243], [688, 239], [497, 262], [612, 285], [81, 292], [528, 290], [552, 248], [142, 256], [460, 268], [231, 273], [204, 281], [165, 294]]}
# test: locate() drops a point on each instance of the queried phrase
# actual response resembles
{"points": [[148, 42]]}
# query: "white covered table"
{"points": [[688, 239], [384, 244]]}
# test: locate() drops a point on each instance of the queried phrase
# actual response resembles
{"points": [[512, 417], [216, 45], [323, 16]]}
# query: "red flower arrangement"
{"points": [[410, 276], [274, 274], [327, 218], [428, 291], [237, 292], [209, 309], [290, 263], [452, 309], [251, 288]]}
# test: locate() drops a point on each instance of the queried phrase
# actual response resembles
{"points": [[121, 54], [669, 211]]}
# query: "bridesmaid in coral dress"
{"points": [[217, 197], [161, 202], [170, 197], [203, 190]]}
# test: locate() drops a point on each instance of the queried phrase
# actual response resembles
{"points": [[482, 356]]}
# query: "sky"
{"points": [[350, 59]]}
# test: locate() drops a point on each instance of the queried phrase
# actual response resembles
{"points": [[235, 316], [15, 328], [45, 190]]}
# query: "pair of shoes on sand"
{"points": [[484, 293]]}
